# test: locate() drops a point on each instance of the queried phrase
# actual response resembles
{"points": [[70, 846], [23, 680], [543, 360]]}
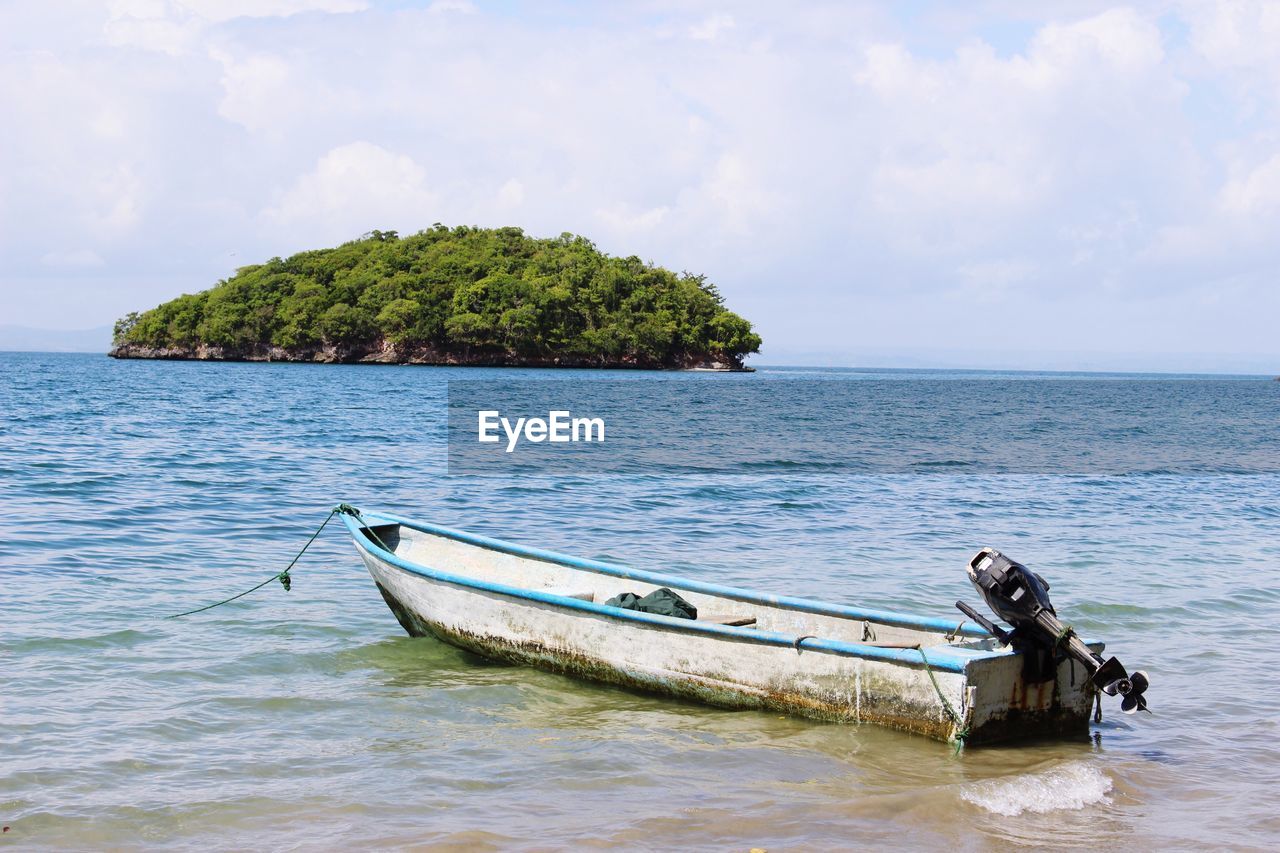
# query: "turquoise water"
{"points": [[306, 719]]}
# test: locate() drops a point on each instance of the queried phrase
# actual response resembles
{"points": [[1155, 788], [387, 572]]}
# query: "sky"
{"points": [[991, 183]]}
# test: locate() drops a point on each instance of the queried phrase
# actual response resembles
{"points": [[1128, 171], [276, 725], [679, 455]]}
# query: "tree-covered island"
{"points": [[482, 296]]}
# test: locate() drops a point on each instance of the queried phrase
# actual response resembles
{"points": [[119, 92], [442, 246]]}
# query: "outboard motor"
{"points": [[1020, 597]]}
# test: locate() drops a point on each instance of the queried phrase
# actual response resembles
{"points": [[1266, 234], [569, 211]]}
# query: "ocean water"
{"points": [[307, 720]]}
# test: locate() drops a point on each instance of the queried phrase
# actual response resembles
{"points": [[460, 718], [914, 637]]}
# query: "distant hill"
{"points": [[492, 296], [27, 339]]}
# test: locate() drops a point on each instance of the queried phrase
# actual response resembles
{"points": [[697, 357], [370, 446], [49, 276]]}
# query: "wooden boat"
{"points": [[746, 649]]}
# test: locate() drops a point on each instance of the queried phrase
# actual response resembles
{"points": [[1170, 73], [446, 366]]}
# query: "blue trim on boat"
{"points": [[942, 658], [806, 605]]}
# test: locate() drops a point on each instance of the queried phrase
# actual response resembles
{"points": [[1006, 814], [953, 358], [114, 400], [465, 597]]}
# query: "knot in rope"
{"points": [[961, 730], [284, 577]]}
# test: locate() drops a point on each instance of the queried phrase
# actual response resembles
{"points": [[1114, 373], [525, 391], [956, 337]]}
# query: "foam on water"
{"points": [[1072, 785]]}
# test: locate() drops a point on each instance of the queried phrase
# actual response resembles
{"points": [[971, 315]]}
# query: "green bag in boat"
{"points": [[663, 602]]}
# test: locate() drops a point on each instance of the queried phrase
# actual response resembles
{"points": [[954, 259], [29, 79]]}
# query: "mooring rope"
{"points": [[962, 731], [285, 580]]}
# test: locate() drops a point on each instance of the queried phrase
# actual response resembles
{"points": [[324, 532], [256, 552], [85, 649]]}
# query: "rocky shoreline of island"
{"points": [[385, 352]]}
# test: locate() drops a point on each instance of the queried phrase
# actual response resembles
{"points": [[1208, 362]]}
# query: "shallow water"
{"points": [[307, 720]]}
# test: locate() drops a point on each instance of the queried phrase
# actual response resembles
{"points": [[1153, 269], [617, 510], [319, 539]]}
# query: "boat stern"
{"points": [[1006, 698]]}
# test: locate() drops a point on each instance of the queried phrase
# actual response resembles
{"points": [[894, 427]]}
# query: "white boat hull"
{"points": [[516, 605]]}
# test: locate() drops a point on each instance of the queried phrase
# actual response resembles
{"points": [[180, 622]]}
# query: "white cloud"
{"points": [[225, 10], [711, 27], [355, 188], [621, 219], [1256, 191], [737, 190], [160, 32], [175, 26], [258, 90], [511, 195], [442, 7], [73, 258], [992, 281], [978, 153], [1237, 34], [1118, 40], [119, 200]]}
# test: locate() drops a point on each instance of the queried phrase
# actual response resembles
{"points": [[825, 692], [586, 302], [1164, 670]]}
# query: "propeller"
{"points": [[1112, 680], [1134, 700]]}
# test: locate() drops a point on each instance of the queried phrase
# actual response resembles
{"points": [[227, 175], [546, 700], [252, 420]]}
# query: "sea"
{"points": [[307, 720]]}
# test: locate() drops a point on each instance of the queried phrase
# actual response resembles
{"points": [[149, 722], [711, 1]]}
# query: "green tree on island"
{"points": [[474, 292]]}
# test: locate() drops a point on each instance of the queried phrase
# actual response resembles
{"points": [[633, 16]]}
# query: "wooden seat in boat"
{"points": [[722, 619]]}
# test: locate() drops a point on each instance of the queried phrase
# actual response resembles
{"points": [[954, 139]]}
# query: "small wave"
{"points": [[816, 464], [1073, 785], [124, 638], [798, 505]]}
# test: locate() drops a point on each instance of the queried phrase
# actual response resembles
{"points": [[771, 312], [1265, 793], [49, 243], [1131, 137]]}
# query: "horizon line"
{"points": [[849, 367]]}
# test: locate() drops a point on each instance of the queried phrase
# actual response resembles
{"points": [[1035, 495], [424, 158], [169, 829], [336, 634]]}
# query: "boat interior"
{"points": [[511, 566]]}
